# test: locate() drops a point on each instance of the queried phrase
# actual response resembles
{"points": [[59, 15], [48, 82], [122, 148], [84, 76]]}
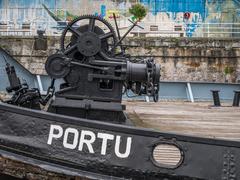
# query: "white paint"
{"points": [[88, 142], [128, 147], [105, 137], [59, 133], [74, 143], [74, 139]]}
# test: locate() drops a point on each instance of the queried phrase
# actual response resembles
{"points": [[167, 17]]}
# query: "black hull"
{"points": [[25, 135]]}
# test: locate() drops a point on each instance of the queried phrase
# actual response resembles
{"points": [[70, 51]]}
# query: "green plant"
{"points": [[228, 70], [138, 11]]}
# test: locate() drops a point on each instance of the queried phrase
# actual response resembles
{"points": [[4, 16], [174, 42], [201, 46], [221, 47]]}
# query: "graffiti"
{"points": [[60, 15], [111, 12], [54, 13], [193, 6]]}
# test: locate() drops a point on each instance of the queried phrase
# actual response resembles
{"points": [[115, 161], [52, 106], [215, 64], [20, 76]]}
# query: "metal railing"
{"points": [[26, 21], [190, 29]]}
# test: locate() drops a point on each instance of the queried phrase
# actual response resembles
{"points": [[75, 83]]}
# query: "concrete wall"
{"points": [[182, 59]]}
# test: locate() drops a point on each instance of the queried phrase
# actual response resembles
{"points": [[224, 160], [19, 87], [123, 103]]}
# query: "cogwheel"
{"points": [[76, 32]]}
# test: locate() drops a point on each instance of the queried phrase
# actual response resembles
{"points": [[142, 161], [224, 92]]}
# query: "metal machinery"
{"points": [[96, 70]]}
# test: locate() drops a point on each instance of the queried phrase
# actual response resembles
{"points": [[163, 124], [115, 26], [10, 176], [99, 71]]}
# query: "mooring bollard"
{"points": [[216, 98], [236, 99]]}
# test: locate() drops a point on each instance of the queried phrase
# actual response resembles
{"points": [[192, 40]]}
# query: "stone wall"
{"points": [[181, 59], [23, 50], [192, 59]]}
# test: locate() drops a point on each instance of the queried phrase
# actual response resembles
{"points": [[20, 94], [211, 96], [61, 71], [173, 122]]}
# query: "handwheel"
{"points": [[87, 39]]}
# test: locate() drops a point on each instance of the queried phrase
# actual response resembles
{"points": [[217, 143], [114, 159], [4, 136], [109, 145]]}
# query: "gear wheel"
{"points": [[87, 40]]}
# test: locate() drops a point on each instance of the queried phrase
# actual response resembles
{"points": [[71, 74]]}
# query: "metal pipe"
{"points": [[117, 28], [124, 36]]}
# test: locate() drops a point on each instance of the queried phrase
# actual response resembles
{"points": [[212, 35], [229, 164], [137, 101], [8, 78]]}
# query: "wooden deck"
{"points": [[196, 119]]}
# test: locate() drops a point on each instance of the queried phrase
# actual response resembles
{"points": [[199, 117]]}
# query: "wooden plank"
{"points": [[196, 119]]}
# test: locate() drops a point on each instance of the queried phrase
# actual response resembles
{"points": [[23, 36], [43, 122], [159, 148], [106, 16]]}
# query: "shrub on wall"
{"points": [[228, 70], [138, 11]]}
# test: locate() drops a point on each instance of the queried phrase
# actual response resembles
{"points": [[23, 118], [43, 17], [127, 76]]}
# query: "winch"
{"points": [[97, 71]]}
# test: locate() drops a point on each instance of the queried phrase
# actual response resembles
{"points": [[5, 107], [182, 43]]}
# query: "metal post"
{"points": [[147, 99], [216, 98], [236, 99], [40, 84], [189, 88]]}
